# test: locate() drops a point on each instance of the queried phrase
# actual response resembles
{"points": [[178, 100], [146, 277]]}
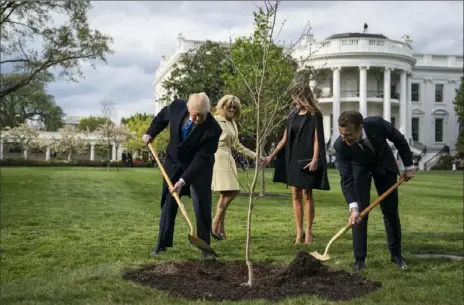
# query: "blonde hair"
{"points": [[229, 100], [200, 102]]}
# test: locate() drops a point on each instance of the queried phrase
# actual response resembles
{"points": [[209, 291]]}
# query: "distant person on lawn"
{"points": [[189, 163], [363, 153]]}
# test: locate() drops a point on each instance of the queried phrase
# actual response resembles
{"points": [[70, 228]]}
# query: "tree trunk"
{"points": [[250, 207], [25, 154], [69, 156], [109, 160], [262, 193]]}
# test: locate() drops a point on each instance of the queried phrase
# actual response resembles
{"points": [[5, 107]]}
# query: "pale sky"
{"points": [[144, 31]]}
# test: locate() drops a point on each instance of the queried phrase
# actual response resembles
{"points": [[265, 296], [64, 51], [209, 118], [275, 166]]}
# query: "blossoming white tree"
{"points": [[71, 143], [23, 135]]}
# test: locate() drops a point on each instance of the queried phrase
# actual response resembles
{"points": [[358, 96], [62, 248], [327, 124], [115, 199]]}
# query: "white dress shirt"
{"points": [[366, 139]]}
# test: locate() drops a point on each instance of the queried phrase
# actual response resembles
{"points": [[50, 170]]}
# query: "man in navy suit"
{"points": [[363, 154], [194, 138]]}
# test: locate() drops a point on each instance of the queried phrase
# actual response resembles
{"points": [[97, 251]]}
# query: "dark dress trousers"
{"points": [[191, 159], [358, 163]]}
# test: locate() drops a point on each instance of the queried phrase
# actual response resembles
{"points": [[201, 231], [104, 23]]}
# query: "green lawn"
{"points": [[67, 234]]}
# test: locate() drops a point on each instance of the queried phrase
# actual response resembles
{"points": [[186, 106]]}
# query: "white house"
{"points": [[377, 76]]}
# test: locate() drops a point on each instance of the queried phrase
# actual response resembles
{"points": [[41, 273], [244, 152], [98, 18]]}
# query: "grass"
{"points": [[67, 235]]}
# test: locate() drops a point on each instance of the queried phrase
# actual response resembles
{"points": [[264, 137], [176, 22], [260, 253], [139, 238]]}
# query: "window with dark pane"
{"points": [[415, 129], [438, 130], [439, 93], [415, 92]]}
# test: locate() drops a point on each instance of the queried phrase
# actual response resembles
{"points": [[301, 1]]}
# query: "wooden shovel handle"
{"points": [[168, 180], [363, 214], [382, 197]]}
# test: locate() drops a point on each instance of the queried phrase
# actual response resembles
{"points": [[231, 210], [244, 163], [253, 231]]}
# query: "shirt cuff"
{"points": [[353, 205], [182, 180], [408, 168]]}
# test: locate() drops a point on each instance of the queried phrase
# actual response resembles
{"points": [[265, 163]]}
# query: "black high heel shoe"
{"points": [[216, 236]]}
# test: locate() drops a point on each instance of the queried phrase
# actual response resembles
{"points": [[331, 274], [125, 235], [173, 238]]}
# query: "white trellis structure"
{"points": [[93, 139]]}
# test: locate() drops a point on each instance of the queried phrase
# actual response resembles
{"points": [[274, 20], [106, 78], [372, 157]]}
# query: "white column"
{"points": [[363, 90], [47, 153], [92, 151], [387, 94], [113, 157], [336, 97], [403, 84], [408, 107], [1, 149]]}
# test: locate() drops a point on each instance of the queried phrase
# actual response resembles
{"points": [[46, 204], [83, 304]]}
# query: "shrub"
{"points": [[64, 163], [444, 163]]}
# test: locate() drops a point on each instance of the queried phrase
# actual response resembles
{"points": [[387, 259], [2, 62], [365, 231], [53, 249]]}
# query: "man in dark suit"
{"points": [[194, 137], [363, 153]]}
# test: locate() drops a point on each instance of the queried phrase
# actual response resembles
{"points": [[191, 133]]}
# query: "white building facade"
{"points": [[377, 76]]}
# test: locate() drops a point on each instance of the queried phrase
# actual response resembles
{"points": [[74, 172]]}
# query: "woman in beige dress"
{"points": [[225, 179]]}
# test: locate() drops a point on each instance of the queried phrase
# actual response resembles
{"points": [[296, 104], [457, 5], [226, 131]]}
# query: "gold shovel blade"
{"points": [[320, 257], [201, 244]]}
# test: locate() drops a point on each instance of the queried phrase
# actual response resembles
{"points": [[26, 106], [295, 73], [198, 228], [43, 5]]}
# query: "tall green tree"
{"points": [[139, 123], [34, 48], [30, 102], [91, 123], [137, 116], [459, 108], [198, 71], [262, 75]]}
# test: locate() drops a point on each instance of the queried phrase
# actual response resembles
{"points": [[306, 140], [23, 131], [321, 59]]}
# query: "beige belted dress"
{"points": [[225, 170]]}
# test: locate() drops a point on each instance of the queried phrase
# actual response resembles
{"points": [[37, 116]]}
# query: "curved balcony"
{"points": [[353, 45], [353, 96]]}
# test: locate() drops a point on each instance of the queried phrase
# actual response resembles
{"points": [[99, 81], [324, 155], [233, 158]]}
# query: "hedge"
{"points": [[64, 163], [444, 163]]}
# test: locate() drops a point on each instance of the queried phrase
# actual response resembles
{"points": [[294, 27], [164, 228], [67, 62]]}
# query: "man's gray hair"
{"points": [[200, 102]]}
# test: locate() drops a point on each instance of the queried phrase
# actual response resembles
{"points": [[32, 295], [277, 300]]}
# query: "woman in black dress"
{"points": [[305, 159]]}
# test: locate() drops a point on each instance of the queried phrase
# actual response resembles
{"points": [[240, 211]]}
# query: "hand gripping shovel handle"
{"points": [[363, 214], [175, 195]]}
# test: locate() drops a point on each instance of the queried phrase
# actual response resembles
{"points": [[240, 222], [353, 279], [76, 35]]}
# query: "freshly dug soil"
{"points": [[223, 281]]}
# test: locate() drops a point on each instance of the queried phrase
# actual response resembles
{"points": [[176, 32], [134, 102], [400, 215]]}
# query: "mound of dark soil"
{"points": [[221, 281]]}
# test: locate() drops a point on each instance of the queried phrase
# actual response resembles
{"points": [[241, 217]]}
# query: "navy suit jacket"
{"points": [[351, 160], [192, 158]]}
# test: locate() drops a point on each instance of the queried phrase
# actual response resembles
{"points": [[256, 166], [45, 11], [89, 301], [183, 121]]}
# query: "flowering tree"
{"points": [[40, 144], [105, 131], [71, 143], [23, 135], [121, 134]]}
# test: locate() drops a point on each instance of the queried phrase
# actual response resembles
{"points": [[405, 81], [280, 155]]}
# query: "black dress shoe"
{"points": [[399, 260], [359, 264], [157, 251]]}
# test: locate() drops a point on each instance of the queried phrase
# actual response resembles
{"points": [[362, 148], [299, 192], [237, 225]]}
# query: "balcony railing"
{"points": [[422, 148], [432, 161], [369, 94]]}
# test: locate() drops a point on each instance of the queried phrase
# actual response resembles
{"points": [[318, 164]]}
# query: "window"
{"points": [[415, 129], [439, 93], [415, 92], [393, 121], [439, 130]]}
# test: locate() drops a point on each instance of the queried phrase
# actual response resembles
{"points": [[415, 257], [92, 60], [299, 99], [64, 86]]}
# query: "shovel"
{"points": [[194, 240], [324, 257]]}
